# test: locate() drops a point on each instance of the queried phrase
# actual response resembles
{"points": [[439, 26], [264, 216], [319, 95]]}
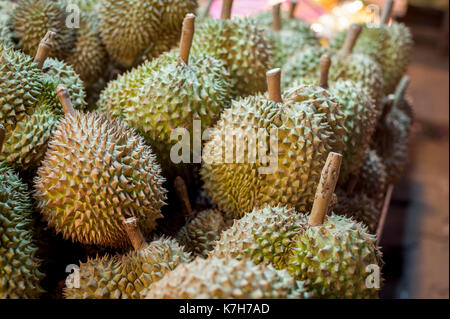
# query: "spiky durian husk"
{"points": [[199, 235], [243, 48], [6, 7], [55, 72], [263, 236], [20, 86], [26, 144], [128, 27], [19, 267], [5, 35], [97, 172], [165, 43], [373, 177], [88, 57], [87, 6], [31, 20], [332, 259], [128, 276], [217, 278], [174, 13], [309, 126]]}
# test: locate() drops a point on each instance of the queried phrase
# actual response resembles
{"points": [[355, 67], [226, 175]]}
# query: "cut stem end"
{"points": [[227, 7], [274, 85], [135, 234], [325, 63], [277, 24], [64, 99], [187, 35], [350, 40], [183, 196], [44, 48]]}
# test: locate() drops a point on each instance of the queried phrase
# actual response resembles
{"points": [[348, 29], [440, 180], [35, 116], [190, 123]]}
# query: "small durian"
{"points": [[241, 45], [96, 173], [301, 128], [19, 266], [127, 276], [219, 278], [334, 255], [30, 21]]}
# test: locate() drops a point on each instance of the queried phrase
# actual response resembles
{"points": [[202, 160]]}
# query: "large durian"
{"points": [[220, 278], [31, 20], [241, 45], [19, 266], [127, 276], [389, 44], [301, 131], [96, 173]]}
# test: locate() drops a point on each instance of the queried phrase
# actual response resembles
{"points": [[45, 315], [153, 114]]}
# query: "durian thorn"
{"points": [[387, 11], [277, 24], [325, 63], [2, 136], [135, 234], [64, 99], [183, 196], [274, 85], [350, 40], [292, 9], [227, 6], [401, 90], [44, 48], [325, 189], [187, 35]]}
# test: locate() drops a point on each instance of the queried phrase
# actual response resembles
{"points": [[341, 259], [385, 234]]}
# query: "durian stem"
{"points": [[208, 9], [387, 11], [334, 202], [325, 63], [64, 99], [187, 35], [350, 40], [134, 234], [351, 184], [325, 189], [183, 196], [227, 6], [44, 48], [401, 90], [384, 212], [274, 85], [2, 136], [277, 25], [292, 9], [386, 111]]}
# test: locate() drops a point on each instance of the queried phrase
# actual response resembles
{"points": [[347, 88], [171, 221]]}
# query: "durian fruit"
{"points": [[6, 8], [372, 177], [127, 276], [217, 278], [332, 253], [392, 137], [174, 13], [19, 267], [389, 44], [241, 45], [30, 21], [87, 6], [345, 65], [165, 43], [88, 57], [96, 173], [295, 135]]}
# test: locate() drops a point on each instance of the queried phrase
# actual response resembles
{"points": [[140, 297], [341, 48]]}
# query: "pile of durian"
{"points": [[87, 117]]}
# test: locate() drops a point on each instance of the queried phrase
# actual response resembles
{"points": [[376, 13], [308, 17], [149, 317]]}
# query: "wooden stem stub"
{"points": [[2, 136], [325, 63], [400, 91], [64, 99], [44, 48], [276, 17], [292, 9], [350, 40], [227, 6], [187, 35], [274, 85], [183, 195], [387, 11], [134, 233]]}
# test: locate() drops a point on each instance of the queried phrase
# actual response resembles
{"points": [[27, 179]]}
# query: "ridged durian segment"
{"points": [[176, 95], [128, 27], [243, 48], [360, 207], [304, 130], [97, 172], [129, 276], [263, 236], [26, 144], [19, 267], [55, 72], [333, 258], [32, 19], [88, 57], [200, 234], [373, 177], [120, 95], [20, 86], [217, 278], [174, 13], [390, 46]]}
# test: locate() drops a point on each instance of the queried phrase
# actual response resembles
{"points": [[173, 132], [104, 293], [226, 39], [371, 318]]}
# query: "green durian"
{"points": [[96, 172], [308, 124], [30, 21], [127, 276], [217, 278], [241, 45], [200, 234], [19, 266], [372, 177]]}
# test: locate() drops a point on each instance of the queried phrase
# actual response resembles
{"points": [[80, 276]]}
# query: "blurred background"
{"points": [[415, 237]]}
